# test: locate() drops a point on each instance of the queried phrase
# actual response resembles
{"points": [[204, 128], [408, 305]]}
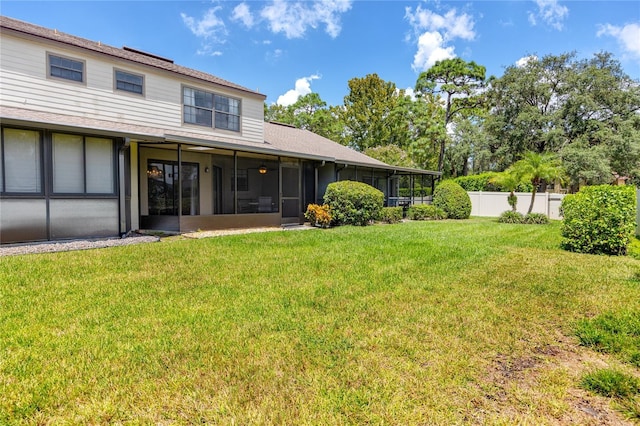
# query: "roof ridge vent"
{"points": [[279, 123], [151, 55]]}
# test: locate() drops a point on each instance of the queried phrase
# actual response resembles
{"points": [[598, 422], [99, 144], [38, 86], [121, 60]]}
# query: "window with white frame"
{"points": [[211, 110], [66, 68], [128, 82]]}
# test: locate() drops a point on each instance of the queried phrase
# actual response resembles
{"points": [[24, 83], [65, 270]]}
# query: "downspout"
{"points": [[315, 188], [235, 181], [179, 187], [122, 200], [338, 170]]}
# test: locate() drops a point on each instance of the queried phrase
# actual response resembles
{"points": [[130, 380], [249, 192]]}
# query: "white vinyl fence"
{"points": [[492, 204]]}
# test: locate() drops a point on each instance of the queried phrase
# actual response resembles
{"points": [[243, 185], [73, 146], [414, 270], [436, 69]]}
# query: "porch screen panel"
{"points": [[22, 162], [84, 218], [68, 164], [100, 167]]}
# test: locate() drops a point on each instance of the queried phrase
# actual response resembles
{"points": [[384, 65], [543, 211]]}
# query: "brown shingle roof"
{"points": [[156, 62], [292, 139]]}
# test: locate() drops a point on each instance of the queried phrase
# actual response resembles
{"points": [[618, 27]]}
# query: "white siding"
{"points": [[24, 84]]}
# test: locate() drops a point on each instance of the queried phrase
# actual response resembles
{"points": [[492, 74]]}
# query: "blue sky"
{"points": [[285, 49]]}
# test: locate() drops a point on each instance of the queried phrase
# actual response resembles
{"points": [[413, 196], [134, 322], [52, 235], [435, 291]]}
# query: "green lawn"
{"points": [[452, 322]]}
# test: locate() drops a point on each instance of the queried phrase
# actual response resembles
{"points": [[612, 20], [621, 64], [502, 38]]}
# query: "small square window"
{"points": [[128, 82], [68, 69]]}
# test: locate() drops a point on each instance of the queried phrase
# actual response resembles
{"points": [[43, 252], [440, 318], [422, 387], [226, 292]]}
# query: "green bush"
{"points": [[453, 199], [479, 182], [510, 216], [426, 212], [391, 214], [353, 203], [536, 219], [599, 219], [482, 182]]}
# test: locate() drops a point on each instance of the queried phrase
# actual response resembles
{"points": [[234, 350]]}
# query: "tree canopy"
{"points": [[584, 112]]}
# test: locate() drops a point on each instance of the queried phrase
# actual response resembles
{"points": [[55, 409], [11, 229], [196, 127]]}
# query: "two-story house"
{"points": [[98, 141]]}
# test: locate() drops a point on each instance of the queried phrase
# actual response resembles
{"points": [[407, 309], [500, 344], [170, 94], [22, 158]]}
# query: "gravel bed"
{"points": [[54, 246], [49, 247]]}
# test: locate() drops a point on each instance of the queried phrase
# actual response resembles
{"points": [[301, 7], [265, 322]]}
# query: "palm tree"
{"points": [[508, 180], [535, 168]]}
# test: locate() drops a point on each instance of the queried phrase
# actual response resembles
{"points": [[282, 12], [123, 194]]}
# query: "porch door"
{"points": [[290, 185]]}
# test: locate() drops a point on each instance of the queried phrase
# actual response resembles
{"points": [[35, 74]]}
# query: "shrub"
{"points": [[510, 216], [485, 182], [318, 215], [599, 219], [391, 214], [453, 199], [353, 203], [536, 219], [612, 383], [481, 182], [426, 212]]}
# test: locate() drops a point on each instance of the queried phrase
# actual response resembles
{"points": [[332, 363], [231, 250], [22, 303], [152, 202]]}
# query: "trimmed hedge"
{"points": [[482, 182], [453, 199], [426, 212], [353, 203], [599, 219], [391, 214]]}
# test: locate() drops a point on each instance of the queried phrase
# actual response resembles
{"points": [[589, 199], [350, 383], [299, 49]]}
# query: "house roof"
{"points": [[128, 54], [279, 139], [288, 138]]}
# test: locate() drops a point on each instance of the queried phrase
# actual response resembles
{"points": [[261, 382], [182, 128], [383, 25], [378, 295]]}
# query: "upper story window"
{"points": [[227, 113], [68, 69], [201, 107], [129, 82]]}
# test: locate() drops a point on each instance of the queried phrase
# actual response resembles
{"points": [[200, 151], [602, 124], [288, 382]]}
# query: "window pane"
{"points": [[197, 116], [189, 96], [22, 160], [129, 82], [226, 121], [65, 68], [203, 99], [229, 105], [100, 170], [68, 164]]}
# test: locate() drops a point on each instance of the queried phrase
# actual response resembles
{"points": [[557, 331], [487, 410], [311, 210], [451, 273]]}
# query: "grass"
{"points": [[415, 323], [613, 332]]}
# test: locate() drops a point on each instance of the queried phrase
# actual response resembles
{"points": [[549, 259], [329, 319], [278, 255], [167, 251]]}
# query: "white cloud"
{"points": [[302, 87], [294, 18], [525, 60], [628, 36], [208, 27], [550, 12], [436, 32], [431, 50], [242, 14]]}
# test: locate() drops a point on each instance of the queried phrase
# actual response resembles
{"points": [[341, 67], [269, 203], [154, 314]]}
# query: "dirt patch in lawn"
{"points": [[542, 388]]}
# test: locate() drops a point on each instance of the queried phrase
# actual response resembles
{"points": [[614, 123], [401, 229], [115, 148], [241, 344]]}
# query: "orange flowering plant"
{"points": [[318, 215]]}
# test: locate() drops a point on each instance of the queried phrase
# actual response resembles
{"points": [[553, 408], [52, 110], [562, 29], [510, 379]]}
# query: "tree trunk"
{"points": [[533, 195]]}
